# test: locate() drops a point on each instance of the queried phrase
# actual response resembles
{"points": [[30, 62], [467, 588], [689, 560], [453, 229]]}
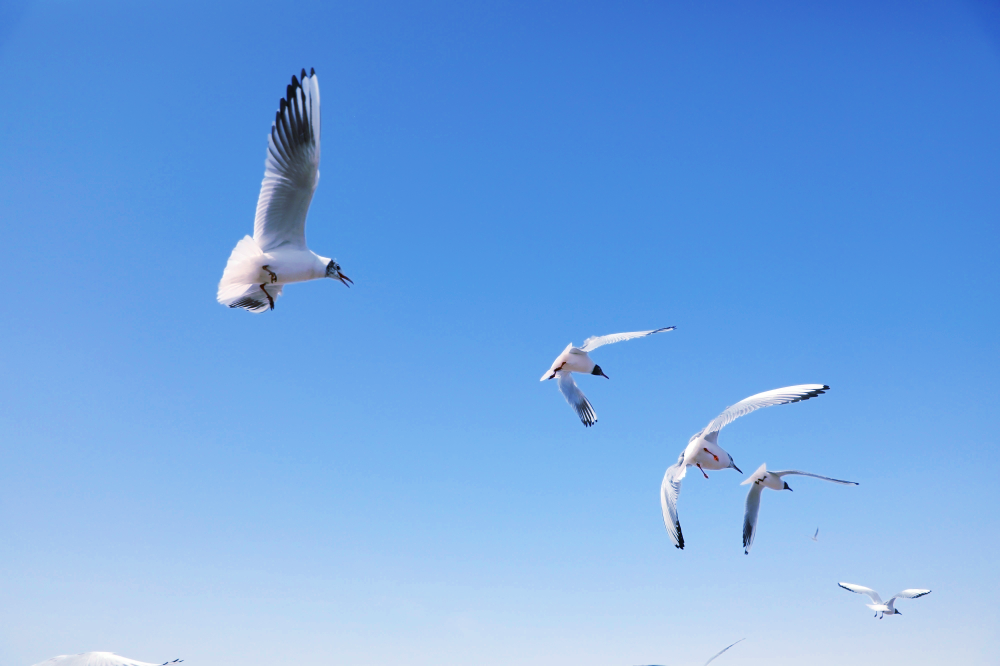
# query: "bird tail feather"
{"points": [[237, 288]]}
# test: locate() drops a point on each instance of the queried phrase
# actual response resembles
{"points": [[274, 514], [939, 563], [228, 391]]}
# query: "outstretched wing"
{"points": [[910, 594], [291, 170], [670, 490], [575, 397], [255, 299], [779, 396], [861, 589], [750, 516], [815, 476], [723, 650], [595, 341]]}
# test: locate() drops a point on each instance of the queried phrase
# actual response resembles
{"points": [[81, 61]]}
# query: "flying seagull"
{"points": [[815, 537], [703, 450], [877, 604], [260, 267], [716, 655], [577, 359], [761, 479], [94, 659]]}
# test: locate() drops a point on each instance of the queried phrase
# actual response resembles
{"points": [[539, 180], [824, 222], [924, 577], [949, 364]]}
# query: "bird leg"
{"points": [[710, 453], [703, 471], [269, 299], [274, 278]]}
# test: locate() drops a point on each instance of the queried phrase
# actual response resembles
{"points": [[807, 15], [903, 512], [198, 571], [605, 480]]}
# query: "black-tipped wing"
{"points": [[861, 589], [255, 299], [779, 396], [796, 472], [575, 397], [291, 170], [723, 650], [670, 491], [750, 513]]}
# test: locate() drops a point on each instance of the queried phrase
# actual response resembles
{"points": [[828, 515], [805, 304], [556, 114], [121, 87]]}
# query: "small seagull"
{"points": [[716, 655], [761, 479], [260, 267], [877, 605], [577, 359], [703, 450], [815, 537]]}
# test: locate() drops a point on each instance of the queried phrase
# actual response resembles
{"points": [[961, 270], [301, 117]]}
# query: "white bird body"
{"points": [[764, 478], [572, 359], [703, 450], [577, 359], [884, 608], [276, 255]]}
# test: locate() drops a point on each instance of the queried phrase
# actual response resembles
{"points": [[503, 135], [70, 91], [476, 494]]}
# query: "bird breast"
{"points": [[703, 452], [577, 361], [291, 266]]}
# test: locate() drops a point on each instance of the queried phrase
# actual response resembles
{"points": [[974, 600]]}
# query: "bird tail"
{"points": [[237, 288]]}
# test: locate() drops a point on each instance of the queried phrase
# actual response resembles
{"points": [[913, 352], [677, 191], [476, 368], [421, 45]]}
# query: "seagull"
{"points": [[704, 452], [93, 659], [716, 655], [761, 479], [260, 267], [815, 537], [877, 605], [577, 359]]}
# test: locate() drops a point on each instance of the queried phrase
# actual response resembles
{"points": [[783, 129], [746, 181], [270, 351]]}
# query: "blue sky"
{"points": [[809, 193]]}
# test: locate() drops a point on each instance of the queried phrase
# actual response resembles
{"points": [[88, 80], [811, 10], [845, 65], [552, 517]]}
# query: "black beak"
{"points": [[735, 467], [786, 487], [343, 278]]}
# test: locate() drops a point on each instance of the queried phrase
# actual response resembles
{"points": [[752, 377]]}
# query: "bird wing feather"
{"points": [[291, 170], [595, 341], [575, 397], [750, 516], [779, 396], [670, 490], [861, 589], [796, 472]]}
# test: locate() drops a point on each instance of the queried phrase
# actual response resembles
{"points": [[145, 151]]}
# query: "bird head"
{"points": [[333, 271], [597, 371], [896, 612], [787, 487]]}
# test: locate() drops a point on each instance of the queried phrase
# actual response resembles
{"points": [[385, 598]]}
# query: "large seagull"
{"points": [[703, 450], [260, 267]]}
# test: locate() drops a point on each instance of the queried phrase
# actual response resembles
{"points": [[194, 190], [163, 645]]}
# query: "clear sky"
{"points": [[810, 192]]}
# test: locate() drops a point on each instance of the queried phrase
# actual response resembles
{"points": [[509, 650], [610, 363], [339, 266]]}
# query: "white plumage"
{"points": [[877, 605], [98, 659], [277, 254], [577, 359], [761, 479], [703, 450]]}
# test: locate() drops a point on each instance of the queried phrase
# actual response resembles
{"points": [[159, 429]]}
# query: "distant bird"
{"points": [[877, 605], [815, 537], [93, 659], [761, 479], [716, 655], [260, 267], [577, 359], [703, 450]]}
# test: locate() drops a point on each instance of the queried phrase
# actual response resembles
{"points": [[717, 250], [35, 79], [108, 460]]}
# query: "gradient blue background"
{"points": [[810, 193]]}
